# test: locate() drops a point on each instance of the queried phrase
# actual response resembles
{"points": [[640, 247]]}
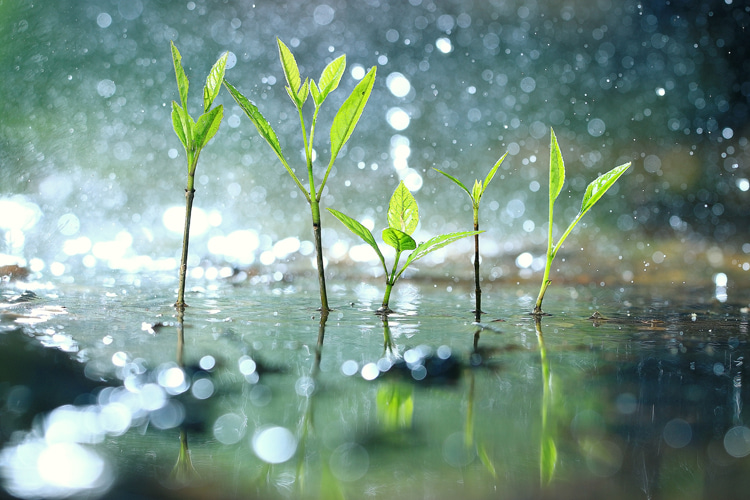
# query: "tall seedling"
{"points": [[194, 136], [343, 125], [476, 195], [403, 217], [594, 192]]}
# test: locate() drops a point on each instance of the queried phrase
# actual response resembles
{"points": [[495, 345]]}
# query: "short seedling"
{"points": [[403, 217], [594, 192], [343, 125], [476, 195], [194, 136]]}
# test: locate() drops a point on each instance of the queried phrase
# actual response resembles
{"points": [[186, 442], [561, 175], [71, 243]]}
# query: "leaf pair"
{"points": [[195, 135], [479, 187], [343, 123], [403, 217], [298, 91], [594, 191]]}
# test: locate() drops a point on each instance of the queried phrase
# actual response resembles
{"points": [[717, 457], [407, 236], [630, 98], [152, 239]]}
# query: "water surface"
{"points": [[645, 400]]}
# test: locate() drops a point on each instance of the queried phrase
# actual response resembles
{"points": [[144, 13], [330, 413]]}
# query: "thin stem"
{"points": [[189, 195], [319, 256], [550, 255], [477, 287], [545, 283], [294, 177], [309, 151], [304, 133], [389, 282], [325, 178], [384, 309], [566, 233]]}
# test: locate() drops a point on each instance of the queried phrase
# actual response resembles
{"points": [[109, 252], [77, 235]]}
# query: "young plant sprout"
{"points": [[403, 217], [194, 136], [343, 125], [476, 195], [594, 192]]}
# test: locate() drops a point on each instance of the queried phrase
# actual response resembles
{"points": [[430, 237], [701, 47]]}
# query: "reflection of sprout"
{"points": [[395, 406], [548, 448], [183, 471]]}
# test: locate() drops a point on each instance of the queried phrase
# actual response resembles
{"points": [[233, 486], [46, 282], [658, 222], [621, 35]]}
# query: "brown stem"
{"points": [[324, 309], [189, 195], [477, 288]]}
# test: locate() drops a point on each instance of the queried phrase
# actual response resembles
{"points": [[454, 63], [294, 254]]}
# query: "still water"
{"points": [[623, 392]]}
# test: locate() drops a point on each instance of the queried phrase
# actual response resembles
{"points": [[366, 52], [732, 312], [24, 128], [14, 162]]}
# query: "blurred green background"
{"points": [[90, 166]]}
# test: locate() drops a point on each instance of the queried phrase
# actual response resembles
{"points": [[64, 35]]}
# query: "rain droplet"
{"points": [[106, 88], [323, 14], [274, 445], [597, 127], [398, 84], [103, 20]]}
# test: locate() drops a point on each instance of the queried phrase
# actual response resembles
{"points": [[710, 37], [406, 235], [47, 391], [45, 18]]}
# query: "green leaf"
{"points": [[490, 175], [213, 81], [182, 81], [315, 93], [434, 244], [476, 192], [556, 168], [348, 115], [291, 71], [179, 123], [251, 110], [360, 230], [303, 93], [600, 185], [459, 183], [207, 126], [398, 239], [403, 213], [331, 77]]}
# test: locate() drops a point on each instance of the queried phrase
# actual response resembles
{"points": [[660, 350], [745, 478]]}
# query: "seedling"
{"points": [[403, 217], [594, 192], [194, 136], [343, 125], [476, 195]]}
